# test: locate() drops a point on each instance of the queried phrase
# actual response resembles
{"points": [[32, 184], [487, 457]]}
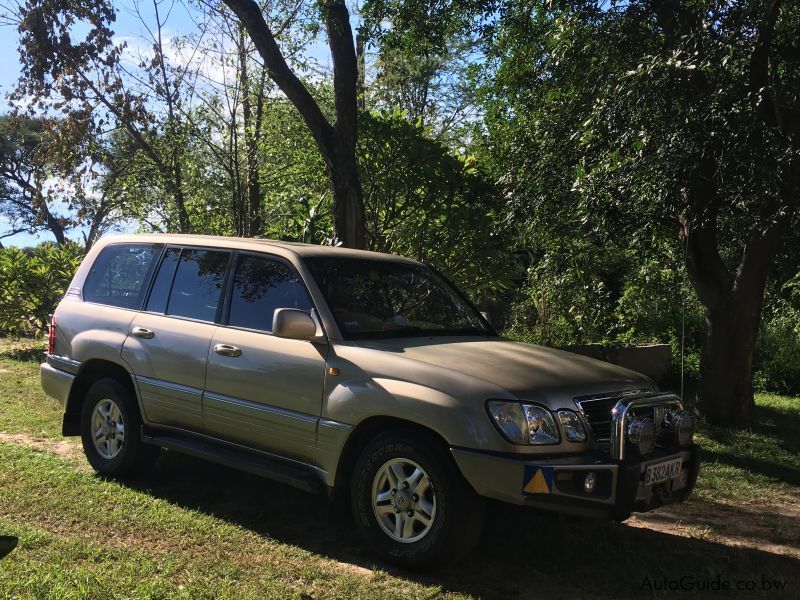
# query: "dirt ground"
{"points": [[766, 527]]}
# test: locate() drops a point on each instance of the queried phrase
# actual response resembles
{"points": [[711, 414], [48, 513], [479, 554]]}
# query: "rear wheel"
{"points": [[411, 503], [110, 426]]}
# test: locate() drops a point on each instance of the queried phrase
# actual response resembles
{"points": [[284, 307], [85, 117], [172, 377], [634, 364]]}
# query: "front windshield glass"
{"points": [[381, 299]]}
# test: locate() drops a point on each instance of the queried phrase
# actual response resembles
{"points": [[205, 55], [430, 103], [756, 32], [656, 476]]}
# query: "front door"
{"points": [[168, 344], [264, 391]]}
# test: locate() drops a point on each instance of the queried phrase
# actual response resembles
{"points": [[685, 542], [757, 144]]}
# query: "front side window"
{"points": [[381, 299], [197, 284], [260, 286], [120, 274]]}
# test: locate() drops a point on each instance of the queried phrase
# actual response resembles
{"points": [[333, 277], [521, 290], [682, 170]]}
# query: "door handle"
{"points": [[227, 350], [141, 332]]}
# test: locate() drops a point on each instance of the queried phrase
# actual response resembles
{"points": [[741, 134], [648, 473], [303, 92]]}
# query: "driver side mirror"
{"points": [[295, 324]]}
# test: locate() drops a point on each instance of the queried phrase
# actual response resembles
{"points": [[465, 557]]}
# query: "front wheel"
{"points": [[411, 503], [110, 425]]}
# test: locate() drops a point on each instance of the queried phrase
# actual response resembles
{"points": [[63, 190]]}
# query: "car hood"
{"points": [[528, 371]]}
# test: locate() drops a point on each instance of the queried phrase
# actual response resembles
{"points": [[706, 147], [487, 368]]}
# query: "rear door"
{"points": [[264, 391], [167, 346]]}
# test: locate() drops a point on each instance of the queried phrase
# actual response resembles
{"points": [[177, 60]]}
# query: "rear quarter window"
{"points": [[120, 275]]}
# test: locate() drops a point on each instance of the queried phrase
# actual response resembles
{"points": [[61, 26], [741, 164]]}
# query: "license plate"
{"points": [[663, 471]]}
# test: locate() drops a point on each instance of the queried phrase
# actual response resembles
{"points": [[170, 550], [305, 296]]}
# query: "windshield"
{"points": [[380, 299]]}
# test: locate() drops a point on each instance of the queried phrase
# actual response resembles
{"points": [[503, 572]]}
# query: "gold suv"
{"points": [[356, 374]]}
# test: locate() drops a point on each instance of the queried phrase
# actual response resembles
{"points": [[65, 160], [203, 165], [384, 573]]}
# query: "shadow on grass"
{"points": [[522, 554], [777, 428], [781, 423], [778, 472], [26, 351]]}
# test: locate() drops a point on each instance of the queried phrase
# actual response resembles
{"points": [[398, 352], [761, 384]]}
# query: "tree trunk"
{"points": [[57, 230], [97, 223], [725, 392], [732, 304], [348, 214], [251, 128], [361, 42], [337, 142], [184, 225], [54, 224]]}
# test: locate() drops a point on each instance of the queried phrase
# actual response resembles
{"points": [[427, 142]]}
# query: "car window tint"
{"points": [[382, 299], [163, 281], [197, 285], [260, 286], [120, 275]]}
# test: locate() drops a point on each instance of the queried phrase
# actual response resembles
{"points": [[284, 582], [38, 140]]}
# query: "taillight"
{"points": [[51, 335]]}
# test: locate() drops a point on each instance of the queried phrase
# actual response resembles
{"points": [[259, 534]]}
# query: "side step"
{"points": [[281, 472]]}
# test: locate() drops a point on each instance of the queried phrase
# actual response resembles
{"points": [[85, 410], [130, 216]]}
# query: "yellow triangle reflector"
{"points": [[537, 484]]}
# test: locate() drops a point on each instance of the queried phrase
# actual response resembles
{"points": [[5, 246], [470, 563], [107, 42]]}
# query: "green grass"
{"points": [[79, 532], [198, 530], [753, 465], [23, 406]]}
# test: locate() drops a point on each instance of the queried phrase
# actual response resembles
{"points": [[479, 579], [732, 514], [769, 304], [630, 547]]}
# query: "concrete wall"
{"points": [[653, 360]]}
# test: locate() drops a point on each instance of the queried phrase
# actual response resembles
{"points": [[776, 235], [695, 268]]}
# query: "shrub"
{"points": [[777, 359], [32, 282]]}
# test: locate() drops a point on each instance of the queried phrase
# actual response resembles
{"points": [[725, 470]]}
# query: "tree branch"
{"points": [[345, 71], [759, 67], [709, 275], [252, 18]]}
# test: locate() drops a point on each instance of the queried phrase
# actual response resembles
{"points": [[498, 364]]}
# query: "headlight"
{"points": [[572, 426], [524, 423], [642, 435], [680, 426]]}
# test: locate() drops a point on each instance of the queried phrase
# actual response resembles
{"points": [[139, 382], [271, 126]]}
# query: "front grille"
{"points": [[597, 411]]}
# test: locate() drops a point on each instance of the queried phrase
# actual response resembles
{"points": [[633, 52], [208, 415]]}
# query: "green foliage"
{"points": [[616, 128], [570, 296], [777, 359], [32, 282], [555, 202], [298, 203], [425, 202]]}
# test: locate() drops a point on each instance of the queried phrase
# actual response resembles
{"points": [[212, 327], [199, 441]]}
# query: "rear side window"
{"points": [[197, 284], [120, 274], [260, 286]]}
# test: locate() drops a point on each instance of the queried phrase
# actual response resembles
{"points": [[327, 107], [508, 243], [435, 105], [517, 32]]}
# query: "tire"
{"points": [[441, 516], [110, 427]]}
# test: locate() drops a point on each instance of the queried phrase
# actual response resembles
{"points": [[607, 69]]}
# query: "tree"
{"points": [[84, 78], [87, 72], [424, 54], [336, 141], [26, 202], [637, 119], [427, 203]]}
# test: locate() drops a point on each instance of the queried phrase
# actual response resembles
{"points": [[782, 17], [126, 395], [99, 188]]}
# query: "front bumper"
{"points": [[556, 483]]}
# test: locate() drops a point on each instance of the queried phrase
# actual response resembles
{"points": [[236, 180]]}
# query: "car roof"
{"points": [[254, 244]]}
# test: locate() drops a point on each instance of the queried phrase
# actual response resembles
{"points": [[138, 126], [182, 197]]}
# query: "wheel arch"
{"points": [[364, 432], [91, 371]]}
